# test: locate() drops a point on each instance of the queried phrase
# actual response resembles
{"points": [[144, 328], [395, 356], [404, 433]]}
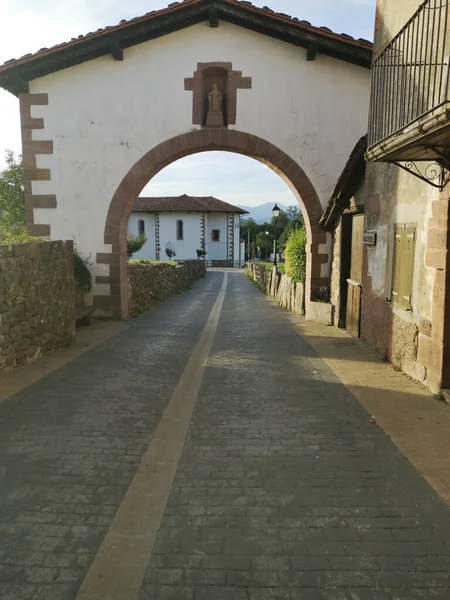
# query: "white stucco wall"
{"points": [[187, 247], [217, 250], [104, 115], [148, 251]]}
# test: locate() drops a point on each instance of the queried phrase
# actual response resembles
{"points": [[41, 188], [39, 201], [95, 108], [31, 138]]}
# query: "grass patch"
{"points": [[269, 266], [254, 281]]}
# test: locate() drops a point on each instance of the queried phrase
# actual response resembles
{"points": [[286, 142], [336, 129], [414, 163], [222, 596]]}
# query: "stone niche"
{"points": [[227, 81]]}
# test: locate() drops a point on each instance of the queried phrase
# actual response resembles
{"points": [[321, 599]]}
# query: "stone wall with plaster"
{"points": [[37, 301], [149, 284], [411, 339]]}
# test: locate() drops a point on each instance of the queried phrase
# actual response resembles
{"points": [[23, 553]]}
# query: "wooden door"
{"points": [[354, 283]]}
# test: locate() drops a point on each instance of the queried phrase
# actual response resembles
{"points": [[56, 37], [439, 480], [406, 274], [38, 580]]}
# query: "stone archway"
{"points": [[178, 147]]}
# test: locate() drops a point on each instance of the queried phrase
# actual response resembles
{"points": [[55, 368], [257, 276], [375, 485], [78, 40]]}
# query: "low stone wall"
{"points": [[149, 284], [279, 286], [37, 300]]}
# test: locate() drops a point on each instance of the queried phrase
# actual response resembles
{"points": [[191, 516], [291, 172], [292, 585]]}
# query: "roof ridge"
{"points": [[184, 203]]}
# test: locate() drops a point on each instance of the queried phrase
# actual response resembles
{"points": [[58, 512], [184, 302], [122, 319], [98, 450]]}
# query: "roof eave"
{"points": [[15, 77], [291, 31], [99, 44]]}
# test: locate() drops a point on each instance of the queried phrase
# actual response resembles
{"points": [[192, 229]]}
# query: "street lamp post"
{"points": [[267, 244], [276, 214]]}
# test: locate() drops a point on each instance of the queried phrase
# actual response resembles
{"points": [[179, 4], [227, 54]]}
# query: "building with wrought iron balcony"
{"points": [[410, 99], [390, 279]]}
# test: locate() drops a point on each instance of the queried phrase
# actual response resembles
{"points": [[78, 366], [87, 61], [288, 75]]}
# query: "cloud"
{"points": [[231, 177]]}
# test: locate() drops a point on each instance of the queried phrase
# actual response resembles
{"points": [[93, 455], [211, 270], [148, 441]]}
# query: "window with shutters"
{"points": [[403, 265]]}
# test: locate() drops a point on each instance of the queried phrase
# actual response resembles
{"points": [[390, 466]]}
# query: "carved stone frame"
{"points": [[203, 140], [195, 84]]}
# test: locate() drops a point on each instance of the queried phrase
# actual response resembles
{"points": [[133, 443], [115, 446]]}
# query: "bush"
{"points": [[134, 243], [82, 272], [16, 235], [295, 254], [170, 251]]}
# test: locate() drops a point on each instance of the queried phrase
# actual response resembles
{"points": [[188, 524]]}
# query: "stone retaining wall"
{"points": [[279, 286], [37, 300], [149, 284]]}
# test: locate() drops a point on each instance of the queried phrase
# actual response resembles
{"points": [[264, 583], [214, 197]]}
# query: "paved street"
{"points": [[206, 453]]}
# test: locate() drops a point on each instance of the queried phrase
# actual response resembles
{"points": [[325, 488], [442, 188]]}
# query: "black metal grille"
{"points": [[411, 76]]}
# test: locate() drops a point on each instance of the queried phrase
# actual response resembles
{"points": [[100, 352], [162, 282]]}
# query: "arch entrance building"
{"points": [[103, 113]]}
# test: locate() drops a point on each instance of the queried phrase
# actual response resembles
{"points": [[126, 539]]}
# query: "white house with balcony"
{"points": [[176, 227]]}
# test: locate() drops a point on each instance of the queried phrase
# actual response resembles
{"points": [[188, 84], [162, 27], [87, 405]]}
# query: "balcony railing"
{"points": [[410, 78]]}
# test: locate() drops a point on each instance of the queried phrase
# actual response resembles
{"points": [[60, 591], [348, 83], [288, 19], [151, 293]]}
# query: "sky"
{"points": [[27, 25]]}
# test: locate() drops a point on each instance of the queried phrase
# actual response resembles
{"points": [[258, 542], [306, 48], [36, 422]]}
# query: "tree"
{"points": [[288, 220], [264, 242], [282, 220], [12, 201], [294, 213], [249, 225], [134, 243], [295, 221]]}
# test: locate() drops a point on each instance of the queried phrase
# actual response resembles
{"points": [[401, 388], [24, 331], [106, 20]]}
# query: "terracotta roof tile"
{"points": [[175, 6], [185, 204]]}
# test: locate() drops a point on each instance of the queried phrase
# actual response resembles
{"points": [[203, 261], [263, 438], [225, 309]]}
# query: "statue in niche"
{"points": [[215, 99], [215, 109]]}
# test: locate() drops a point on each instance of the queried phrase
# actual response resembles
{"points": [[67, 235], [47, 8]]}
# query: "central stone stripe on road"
{"points": [[119, 568]]}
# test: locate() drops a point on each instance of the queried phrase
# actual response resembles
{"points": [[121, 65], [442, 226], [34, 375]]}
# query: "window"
{"points": [[215, 235], [141, 227], [179, 230], [403, 265]]}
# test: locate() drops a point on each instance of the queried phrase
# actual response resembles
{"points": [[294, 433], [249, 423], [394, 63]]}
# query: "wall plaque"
{"points": [[370, 238]]}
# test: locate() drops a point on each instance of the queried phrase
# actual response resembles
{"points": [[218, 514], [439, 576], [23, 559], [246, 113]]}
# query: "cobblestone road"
{"points": [[283, 489]]}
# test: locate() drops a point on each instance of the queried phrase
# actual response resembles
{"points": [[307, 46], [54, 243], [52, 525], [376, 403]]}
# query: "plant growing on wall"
{"points": [[170, 251], [201, 252], [295, 254], [81, 271], [134, 243]]}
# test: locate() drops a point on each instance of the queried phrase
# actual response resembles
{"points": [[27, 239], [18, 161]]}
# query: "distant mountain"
{"points": [[261, 213]]}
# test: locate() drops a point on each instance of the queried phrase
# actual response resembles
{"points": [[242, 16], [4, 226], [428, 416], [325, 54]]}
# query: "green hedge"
{"points": [[295, 255]]}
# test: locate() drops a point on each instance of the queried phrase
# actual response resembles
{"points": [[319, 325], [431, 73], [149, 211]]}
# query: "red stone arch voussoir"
{"points": [[178, 147]]}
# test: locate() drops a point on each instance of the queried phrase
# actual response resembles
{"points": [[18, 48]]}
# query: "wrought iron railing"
{"points": [[411, 76]]}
